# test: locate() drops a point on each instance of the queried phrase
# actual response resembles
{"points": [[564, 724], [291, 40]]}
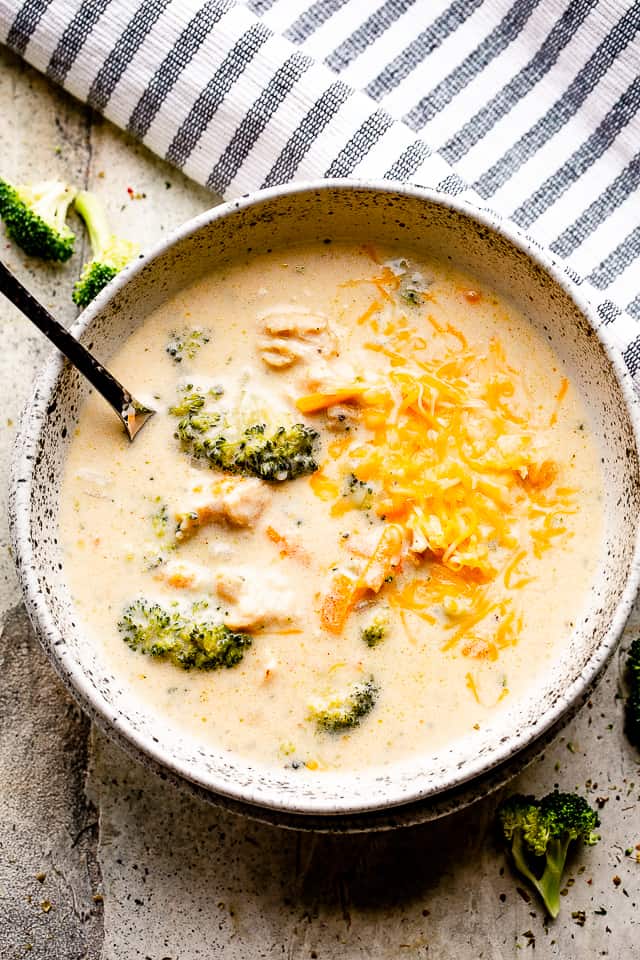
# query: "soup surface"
{"points": [[365, 516]]}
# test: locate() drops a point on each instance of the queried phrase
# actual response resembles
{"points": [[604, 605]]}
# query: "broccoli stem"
{"points": [[548, 885], [93, 212], [53, 205], [550, 882], [520, 860]]}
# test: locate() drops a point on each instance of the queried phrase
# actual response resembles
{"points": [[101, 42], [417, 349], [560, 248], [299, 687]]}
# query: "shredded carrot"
{"points": [[562, 392], [337, 603], [181, 581], [372, 309], [288, 548], [483, 609], [323, 486], [410, 636], [480, 649], [315, 402], [384, 559], [541, 475], [511, 566], [274, 535], [386, 278], [472, 686]]}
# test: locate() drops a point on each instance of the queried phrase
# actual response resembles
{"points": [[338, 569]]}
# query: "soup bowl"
{"points": [[386, 213]]}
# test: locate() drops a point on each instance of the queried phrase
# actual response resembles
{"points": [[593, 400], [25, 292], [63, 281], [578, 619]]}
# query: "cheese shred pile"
{"points": [[452, 452]]}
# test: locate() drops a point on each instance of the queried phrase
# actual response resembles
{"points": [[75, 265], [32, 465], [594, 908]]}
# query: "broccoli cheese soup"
{"points": [[364, 519]]}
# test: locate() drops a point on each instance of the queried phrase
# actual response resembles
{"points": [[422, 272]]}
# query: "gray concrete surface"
{"points": [[101, 860]]}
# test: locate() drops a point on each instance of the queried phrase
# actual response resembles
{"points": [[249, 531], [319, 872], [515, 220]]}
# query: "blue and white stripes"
{"points": [[532, 108]]}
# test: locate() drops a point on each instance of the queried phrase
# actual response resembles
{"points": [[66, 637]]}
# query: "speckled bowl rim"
{"points": [[25, 449]]}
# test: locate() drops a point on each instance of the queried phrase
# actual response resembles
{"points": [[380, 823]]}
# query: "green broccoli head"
{"points": [[345, 713], [566, 815], [169, 635], [519, 813], [632, 706], [94, 277], [282, 454], [540, 833], [375, 631], [35, 218], [276, 454], [110, 253]]}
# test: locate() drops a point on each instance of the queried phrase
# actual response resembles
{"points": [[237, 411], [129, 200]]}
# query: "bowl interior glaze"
{"points": [[328, 211]]}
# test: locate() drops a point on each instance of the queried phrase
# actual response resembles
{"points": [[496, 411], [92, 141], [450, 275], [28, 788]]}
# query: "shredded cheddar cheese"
{"points": [[453, 450]]}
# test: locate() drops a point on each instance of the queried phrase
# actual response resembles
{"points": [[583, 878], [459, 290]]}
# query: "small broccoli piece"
{"points": [[358, 492], [411, 296], [194, 422], [412, 282], [160, 521], [282, 454], [190, 403], [110, 253], [187, 345], [186, 642], [376, 631], [540, 832], [632, 706], [161, 527], [345, 713], [35, 217]]}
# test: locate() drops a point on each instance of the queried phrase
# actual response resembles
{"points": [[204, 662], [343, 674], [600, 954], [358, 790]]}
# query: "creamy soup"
{"points": [[364, 519]]}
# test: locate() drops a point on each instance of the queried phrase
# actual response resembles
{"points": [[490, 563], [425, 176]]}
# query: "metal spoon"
{"points": [[132, 414]]}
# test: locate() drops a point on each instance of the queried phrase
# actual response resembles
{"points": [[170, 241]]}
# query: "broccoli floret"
{"points": [[194, 422], [283, 453], [109, 252], [540, 832], [345, 713], [632, 706], [35, 217], [185, 641], [191, 403], [186, 345], [376, 631]]}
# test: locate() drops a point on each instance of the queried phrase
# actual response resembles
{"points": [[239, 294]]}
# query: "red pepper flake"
{"points": [[136, 194], [472, 296]]}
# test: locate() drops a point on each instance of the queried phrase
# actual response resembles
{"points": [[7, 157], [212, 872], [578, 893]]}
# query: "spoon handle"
{"points": [[105, 383]]}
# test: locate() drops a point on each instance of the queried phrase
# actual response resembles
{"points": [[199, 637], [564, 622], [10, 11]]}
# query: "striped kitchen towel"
{"points": [[529, 107]]}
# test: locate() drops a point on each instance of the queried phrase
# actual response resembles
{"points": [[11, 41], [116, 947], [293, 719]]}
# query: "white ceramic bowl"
{"points": [[385, 213]]}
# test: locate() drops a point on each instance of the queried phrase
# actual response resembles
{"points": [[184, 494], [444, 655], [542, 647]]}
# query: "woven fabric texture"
{"points": [[530, 108]]}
